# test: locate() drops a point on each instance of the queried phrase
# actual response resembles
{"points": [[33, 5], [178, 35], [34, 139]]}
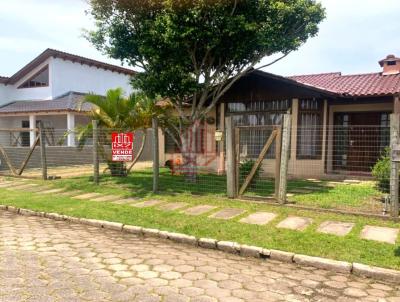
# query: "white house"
{"points": [[50, 89]]}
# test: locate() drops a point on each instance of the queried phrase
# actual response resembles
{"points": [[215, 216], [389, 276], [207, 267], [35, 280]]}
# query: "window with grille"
{"points": [[257, 113], [309, 129]]}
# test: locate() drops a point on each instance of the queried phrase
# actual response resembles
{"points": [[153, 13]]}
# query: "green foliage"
{"points": [[245, 168], [193, 51], [381, 171], [114, 112]]}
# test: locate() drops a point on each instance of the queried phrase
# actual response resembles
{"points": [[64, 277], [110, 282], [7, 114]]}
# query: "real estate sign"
{"points": [[122, 146]]}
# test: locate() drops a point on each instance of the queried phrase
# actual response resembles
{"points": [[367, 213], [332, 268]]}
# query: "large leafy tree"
{"points": [[193, 51]]}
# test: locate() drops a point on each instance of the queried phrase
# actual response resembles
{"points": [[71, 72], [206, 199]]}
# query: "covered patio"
{"points": [[59, 118]]}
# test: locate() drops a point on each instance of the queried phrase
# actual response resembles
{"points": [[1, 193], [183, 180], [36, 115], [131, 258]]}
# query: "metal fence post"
{"points": [[394, 166], [231, 158], [287, 118], [43, 157], [95, 152], [156, 157]]}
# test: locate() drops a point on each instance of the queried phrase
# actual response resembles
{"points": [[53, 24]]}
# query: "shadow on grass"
{"points": [[397, 251]]}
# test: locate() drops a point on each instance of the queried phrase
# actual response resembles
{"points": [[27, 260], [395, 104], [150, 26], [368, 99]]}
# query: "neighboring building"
{"points": [[50, 89], [340, 123]]}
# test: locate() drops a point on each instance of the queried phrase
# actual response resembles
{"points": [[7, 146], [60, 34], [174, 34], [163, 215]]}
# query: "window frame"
{"points": [[46, 69], [320, 113]]}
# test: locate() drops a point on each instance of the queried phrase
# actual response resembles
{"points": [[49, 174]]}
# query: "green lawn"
{"points": [[348, 248], [356, 197]]}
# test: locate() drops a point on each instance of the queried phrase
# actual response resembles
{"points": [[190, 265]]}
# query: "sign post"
{"points": [[122, 146]]}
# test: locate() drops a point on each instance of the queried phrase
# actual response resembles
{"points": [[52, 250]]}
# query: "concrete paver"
{"points": [[199, 210], [172, 206], [47, 260], [52, 191], [335, 228], [227, 213], [259, 218], [148, 203], [295, 223], [127, 201], [87, 196], [382, 234], [107, 198]]}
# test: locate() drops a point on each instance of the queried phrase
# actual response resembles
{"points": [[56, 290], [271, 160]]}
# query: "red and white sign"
{"points": [[122, 146]]}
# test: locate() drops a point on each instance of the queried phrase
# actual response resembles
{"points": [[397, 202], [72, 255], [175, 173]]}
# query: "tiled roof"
{"points": [[69, 102], [3, 79], [356, 85]]}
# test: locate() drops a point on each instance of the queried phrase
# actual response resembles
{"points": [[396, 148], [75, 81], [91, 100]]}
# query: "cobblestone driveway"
{"points": [[46, 260]]}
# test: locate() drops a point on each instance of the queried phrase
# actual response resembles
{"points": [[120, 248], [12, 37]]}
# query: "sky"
{"points": [[355, 35]]}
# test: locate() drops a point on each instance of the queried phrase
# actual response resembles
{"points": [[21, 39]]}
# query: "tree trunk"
{"points": [[189, 166], [139, 152]]}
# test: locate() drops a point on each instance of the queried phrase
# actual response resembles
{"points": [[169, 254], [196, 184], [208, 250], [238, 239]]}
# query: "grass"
{"points": [[309, 242], [363, 197]]}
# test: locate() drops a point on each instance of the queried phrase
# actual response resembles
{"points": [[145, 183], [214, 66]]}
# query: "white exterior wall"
{"points": [[68, 76]]}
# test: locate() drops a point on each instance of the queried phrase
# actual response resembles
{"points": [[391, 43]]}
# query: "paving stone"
{"points": [[70, 193], [259, 218], [172, 206], [227, 213], [52, 191], [335, 228], [107, 198], [147, 203], [199, 210], [22, 186], [86, 196], [5, 184], [295, 223], [382, 234], [351, 181], [129, 200], [47, 260]]}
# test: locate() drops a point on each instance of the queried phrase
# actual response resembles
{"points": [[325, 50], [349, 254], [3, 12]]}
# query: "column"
{"points": [[32, 125], [71, 129]]}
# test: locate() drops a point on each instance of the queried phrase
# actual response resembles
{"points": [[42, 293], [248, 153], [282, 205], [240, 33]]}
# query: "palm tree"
{"points": [[114, 112]]}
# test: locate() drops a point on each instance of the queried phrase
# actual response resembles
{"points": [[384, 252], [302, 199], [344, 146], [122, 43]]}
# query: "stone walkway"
{"points": [[336, 228], [47, 260]]}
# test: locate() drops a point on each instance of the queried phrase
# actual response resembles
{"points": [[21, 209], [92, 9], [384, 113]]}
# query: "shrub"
{"points": [[117, 168], [245, 168], [381, 171]]}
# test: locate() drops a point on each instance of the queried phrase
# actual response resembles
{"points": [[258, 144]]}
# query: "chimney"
{"points": [[391, 65]]}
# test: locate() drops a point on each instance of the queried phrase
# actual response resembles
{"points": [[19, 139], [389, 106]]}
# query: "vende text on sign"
{"points": [[122, 146]]}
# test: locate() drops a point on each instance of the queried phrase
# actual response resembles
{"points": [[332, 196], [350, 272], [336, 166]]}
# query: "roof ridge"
{"points": [[49, 52], [361, 74], [316, 74]]}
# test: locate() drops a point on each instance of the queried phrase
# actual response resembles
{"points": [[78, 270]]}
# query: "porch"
{"points": [[58, 127]]}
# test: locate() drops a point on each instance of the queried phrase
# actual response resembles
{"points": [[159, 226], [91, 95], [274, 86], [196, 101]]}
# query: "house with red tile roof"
{"points": [[339, 127]]}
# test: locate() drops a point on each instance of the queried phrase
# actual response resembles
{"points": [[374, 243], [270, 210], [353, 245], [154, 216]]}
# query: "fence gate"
{"points": [[258, 159]]}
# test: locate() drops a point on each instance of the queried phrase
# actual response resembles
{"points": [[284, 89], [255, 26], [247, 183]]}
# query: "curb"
{"points": [[358, 269]]}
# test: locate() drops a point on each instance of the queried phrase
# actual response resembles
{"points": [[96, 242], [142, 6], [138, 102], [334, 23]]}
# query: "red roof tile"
{"points": [[357, 85]]}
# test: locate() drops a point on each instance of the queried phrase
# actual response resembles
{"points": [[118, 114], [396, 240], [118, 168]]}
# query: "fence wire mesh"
{"points": [[332, 167]]}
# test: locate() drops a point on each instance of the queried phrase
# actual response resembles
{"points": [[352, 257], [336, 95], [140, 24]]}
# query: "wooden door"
{"points": [[363, 141]]}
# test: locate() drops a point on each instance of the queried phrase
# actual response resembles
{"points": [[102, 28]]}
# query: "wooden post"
{"points": [[95, 152], [394, 166], [231, 158], [43, 158], [278, 144], [287, 118], [156, 158], [237, 160]]}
